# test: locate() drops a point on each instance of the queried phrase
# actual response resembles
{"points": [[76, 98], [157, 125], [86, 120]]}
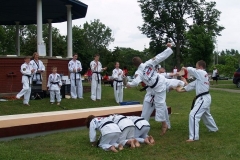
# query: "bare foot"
{"points": [[120, 147], [58, 104], [164, 130], [132, 143], [137, 144], [27, 104], [146, 140], [151, 140], [189, 140], [112, 148]]}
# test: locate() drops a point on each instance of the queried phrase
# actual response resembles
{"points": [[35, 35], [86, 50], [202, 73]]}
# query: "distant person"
{"points": [[39, 68], [118, 75], [125, 80], [106, 77], [175, 72], [75, 68], [27, 71], [54, 84], [215, 75], [89, 74], [185, 74], [96, 89]]}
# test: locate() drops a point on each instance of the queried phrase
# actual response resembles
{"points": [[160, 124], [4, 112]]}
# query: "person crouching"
{"points": [[110, 132]]}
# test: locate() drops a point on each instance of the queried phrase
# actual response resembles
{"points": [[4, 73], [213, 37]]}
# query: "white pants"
{"points": [[96, 89], [52, 96], [201, 110], [109, 140], [26, 92], [118, 92], [76, 89], [127, 133], [159, 104], [140, 135]]}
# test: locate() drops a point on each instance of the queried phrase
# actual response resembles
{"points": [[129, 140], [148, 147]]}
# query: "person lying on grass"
{"points": [[110, 133]]}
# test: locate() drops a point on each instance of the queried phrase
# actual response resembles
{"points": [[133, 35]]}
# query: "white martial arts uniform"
{"points": [[26, 81], [96, 89], [38, 66], [201, 108], [126, 126], [110, 132], [54, 84], [118, 84], [142, 127], [156, 92], [75, 77]]}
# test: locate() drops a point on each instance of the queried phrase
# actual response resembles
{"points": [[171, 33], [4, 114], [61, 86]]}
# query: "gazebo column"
{"points": [[39, 23], [69, 31], [17, 39], [50, 37]]}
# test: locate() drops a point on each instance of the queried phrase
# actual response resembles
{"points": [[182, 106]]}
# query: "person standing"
{"points": [[27, 71], [89, 74], [75, 68], [175, 72], [125, 80], [39, 68], [118, 76], [156, 84], [215, 75], [54, 84], [201, 104], [96, 68]]}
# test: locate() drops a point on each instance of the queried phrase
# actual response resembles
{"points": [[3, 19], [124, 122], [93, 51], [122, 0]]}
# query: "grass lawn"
{"points": [[16, 106], [74, 145]]}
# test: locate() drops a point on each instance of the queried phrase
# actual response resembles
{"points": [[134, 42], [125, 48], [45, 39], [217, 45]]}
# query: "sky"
{"points": [[124, 16]]}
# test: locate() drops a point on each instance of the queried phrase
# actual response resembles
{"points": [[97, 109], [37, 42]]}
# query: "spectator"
{"points": [[215, 75], [89, 74]]}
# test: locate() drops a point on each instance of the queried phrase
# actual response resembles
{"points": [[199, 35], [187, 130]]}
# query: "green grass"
{"points": [[74, 145], [16, 106]]}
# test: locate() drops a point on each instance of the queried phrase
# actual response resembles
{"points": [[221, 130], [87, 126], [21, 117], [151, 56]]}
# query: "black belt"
{"points": [[152, 100], [117, 83], [40, 76], [76, 77], [140, 119], [154, 85], [54, 82], [97, 76], [195, 98], [28, 79], [108, 122], [121, 119]]}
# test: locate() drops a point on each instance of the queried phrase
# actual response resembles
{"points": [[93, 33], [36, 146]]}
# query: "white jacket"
{"points": [[54, 82]]}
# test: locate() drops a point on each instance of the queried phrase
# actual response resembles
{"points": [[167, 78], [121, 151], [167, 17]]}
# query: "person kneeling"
{"points": [[110, 132]]}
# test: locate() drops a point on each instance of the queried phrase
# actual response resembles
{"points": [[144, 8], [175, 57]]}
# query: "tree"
{"points": [[97, 34], [169, 20], [199, 45]]}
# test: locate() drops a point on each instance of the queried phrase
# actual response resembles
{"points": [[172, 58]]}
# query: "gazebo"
{"points": [[25, 12]]}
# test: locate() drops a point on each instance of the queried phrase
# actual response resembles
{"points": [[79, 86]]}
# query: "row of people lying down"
{"points": [[118, 131]]}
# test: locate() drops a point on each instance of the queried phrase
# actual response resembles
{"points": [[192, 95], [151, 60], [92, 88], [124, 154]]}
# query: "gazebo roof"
{"points": [[25, 11]]}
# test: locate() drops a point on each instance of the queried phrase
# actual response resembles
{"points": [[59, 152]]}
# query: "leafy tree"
{"points": [[169, 21], [199, 45], [97, 35], [7, 40]]}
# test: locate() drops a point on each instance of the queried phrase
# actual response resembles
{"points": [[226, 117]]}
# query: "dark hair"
{"points": [[88, 120], [202, 64], [27, 57], [136, 61], [96, 55], [75, 54]]}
